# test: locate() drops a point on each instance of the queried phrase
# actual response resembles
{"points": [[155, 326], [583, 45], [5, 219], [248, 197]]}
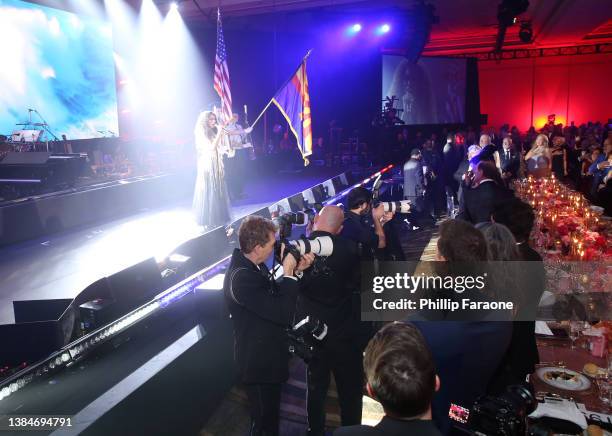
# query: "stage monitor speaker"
{"points": [[263, 212], [320, 193], [208, 248], [296, 202], [98, 290], [40, 310], [340, 182], [329, 188], [41, 327], [134, 286], [28, 342]]}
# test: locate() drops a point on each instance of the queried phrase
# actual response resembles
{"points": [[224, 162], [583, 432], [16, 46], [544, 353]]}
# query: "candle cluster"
{"points": [[565, 222]]}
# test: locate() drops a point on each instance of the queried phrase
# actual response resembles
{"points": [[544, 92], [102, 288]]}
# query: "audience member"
{"points": [[467, 354], [522, 354], [401, 375], [326, 293], [487, 190], [510, 161]]}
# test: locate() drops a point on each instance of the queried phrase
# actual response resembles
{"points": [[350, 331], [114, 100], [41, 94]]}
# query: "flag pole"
{"points": [[262, 112], [268, 105]]}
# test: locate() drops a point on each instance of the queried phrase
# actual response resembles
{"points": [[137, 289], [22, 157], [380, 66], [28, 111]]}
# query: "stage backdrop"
{"points": [[430, 91], [524, 92], [61, 66]]}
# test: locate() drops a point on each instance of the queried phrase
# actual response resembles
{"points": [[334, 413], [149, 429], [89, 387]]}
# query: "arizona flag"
{"points": [[294, 103]]}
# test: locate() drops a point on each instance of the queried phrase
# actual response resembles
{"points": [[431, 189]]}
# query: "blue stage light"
{"points": [[356, 28], [384, 28]]}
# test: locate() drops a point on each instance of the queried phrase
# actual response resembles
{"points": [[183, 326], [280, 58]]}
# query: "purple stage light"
{"points": [[356, 28], [385, 28]]}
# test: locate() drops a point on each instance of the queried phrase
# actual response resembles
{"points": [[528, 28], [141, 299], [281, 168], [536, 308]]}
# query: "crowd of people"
{"points": [[415, 368], [580, 156]]}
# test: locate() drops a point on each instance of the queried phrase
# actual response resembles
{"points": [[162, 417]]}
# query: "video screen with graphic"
{"points": [[430, 91], [57, 76]]}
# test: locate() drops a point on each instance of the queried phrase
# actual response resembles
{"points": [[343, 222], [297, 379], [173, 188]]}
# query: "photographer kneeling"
{"points": [[261, 310], [326, 294]]}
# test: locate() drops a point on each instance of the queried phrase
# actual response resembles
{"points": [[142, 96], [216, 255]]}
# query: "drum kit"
{"points": [[28, 136]]}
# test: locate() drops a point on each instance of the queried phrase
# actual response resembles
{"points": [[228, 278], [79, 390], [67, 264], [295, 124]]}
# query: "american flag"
{"points": [[222, 79]]}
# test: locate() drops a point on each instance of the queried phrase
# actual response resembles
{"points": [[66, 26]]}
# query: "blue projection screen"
{"points": [[59, 64]]}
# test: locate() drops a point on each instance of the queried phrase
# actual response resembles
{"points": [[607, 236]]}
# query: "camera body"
{"points": [[504, 415], [304, 336], [285, 221]]}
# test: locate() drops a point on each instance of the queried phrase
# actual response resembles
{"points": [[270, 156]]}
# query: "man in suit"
{"points": [[261, 311], [401, 374], [510, 161], [326, 293], [522, 355], [414, 183], [464, 172], [487, 191], [467, 353]]}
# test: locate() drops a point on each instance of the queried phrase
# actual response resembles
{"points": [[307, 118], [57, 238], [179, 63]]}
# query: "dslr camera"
{"points": [[321, 246], [505, 415], [285, 221], [304, 336]]}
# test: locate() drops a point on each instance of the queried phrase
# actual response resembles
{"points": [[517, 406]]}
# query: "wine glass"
{"points": [[574, 332]]}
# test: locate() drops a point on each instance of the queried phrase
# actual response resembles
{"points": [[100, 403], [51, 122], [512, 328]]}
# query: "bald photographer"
{"points": [[326, 293]]}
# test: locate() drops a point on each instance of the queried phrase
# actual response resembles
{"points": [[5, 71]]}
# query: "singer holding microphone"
{"points": [[211, 204]]}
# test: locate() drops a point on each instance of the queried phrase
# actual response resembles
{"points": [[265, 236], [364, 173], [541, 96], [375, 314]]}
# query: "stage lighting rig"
{"points": [[526, 32], [507, 13], [411, 35]]}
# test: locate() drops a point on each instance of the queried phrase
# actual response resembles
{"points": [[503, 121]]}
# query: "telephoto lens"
{"points": [[321, 246], [397, 206]]}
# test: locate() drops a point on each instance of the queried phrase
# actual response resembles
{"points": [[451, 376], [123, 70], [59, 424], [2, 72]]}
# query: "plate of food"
{"points": [[563, 378]]}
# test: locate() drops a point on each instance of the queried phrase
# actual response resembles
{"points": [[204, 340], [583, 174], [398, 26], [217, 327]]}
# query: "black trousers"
{"points": [[264, 406], [343, 358]]}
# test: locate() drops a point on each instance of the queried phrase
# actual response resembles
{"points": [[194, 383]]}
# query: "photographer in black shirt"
{"points": [[261, 310], [326, 293], [364, 224]]}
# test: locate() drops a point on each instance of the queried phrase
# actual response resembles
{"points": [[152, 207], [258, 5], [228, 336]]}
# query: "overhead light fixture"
{"points": [[507, 13], [385, 28], [526, 32]]}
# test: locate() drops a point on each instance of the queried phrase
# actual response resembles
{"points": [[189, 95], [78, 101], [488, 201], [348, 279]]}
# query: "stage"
{"points": [[62, 264]]}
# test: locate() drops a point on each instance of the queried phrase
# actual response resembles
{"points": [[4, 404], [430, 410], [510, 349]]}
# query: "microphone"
{"points": [[31, 110]]}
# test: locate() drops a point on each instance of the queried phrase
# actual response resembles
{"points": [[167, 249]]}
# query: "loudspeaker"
{"points": [[134, 286], [296, 202], [41, 327], [484, 119], [320, 193], [207, 249], [340, 182]]}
